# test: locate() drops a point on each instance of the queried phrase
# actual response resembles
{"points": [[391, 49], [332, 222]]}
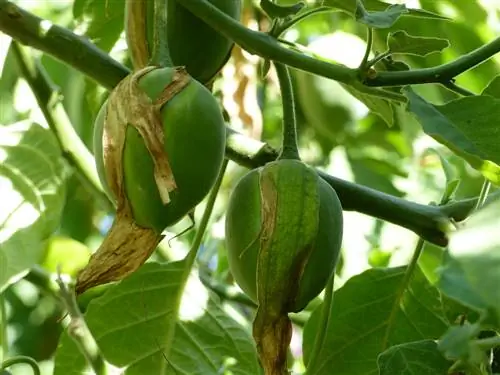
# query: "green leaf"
{"points": [[136, 325], [32, 194], [379, 106], [349, 6], [402, 43], [452, 179], [456, 343], [103, 20], [453, 282], [413, 358], [370, 314], [274, 10], [476, 247], [383, 19], [467, 126], [460, 344], [493, 88]]}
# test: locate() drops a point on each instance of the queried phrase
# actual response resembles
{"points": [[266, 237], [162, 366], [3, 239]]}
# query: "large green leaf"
{"points": [[476, 247], [413, 358], [32, 194], [370, 314], [138, 325], [467, 126]]}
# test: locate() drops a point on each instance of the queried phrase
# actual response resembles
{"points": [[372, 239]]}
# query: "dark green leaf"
{"points": [[136, 325], [381, 20], [32, 194], [370, 314], [467, 126], [401, 42], [413, 358]]}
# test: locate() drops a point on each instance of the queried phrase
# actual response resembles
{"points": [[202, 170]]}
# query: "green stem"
{"points": [[73, 149], [302, 16], [78, 331], [21, 359], [483, 195], [438, 74], [326, 313], [161, 54], [290, 148], [4, 344], [410, 269], [191, 257], [369, 43], [377, 58], [488, 343]]}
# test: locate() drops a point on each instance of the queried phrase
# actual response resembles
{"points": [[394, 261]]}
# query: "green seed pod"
{"points": [[194, 44], [283, 235], [194, 142]]}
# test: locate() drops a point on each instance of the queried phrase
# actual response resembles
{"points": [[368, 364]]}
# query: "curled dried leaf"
{"points": [[126, 247]]}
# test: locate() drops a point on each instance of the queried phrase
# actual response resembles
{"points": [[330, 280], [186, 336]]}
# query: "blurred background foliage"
{"points": [[337, 132]]}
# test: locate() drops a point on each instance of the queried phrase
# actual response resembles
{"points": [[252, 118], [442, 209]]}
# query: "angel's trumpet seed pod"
{"points": [[159, 145], [283, 234]]}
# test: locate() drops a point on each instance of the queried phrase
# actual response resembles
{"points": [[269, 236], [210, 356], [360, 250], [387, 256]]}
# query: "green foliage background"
{"points": [[369, 141]]}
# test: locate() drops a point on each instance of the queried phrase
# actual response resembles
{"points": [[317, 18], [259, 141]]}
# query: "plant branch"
{"points": [[438, 74], [78, 331], [424, 220], [60, 43], [74, 150], [267, 47], [84, 56], [264, 45]]}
